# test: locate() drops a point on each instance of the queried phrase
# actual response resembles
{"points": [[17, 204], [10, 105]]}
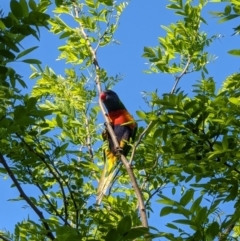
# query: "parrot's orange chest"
{"points": [[120, 117]]}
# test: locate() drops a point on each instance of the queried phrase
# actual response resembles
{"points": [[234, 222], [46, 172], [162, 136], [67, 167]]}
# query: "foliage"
{"points": [[51, 137], [230, 12]]}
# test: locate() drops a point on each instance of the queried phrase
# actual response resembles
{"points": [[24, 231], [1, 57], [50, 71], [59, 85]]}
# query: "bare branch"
{"points": [[25, 197]]}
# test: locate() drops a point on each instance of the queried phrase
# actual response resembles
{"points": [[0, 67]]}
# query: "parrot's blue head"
{"points": [[111, 101]]}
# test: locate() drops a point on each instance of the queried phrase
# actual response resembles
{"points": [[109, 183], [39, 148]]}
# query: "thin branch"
{"points": [[223, 237], [150, 125], [25, 197], [177, 78], [88, 138], [127, 165], [155, 192], [53, 172], [47, 199], [62, 189], [93, 53]]}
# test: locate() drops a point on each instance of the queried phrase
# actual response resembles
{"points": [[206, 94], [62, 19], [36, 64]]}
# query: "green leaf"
{"points": [[141, 114], [22, 83], [149, 52], [31, 103], [197, 169], [32, 4], [65, 233], [166, 200], [165, 211], [64, 147], [24, 7], [112, 235], [170, 225], [59, 121], [201, 216], [213, 230], [3, 69], [196, 204], [173, 191], [16, 8], [187, 197], [164, 118], [26, 52], [124, 225], [173, 6], [185, 221], [234, 100], [235, 52], [9, 42], [225, 142], [58, 2], [7, 53], [229, 17], [227, 10], [106, 2], [135, 233], [90, 3], [190, 104], [32, 61]]}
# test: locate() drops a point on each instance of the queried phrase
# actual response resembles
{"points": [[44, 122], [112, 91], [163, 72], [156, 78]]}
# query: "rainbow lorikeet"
{"points": [[125, 128]]}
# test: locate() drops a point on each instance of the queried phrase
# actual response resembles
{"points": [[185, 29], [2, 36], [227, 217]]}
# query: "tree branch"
{"points": [[127, 165], [150, 125], [56, 175], [47, 199], [227, 232], [88, 138], [25, 197]]}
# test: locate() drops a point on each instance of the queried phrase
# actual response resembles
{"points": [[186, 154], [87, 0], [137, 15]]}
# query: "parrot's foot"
{"points": [[118, 151], [105, 135]]}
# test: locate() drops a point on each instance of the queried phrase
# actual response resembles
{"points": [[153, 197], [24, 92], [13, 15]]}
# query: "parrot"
{"points": [[125, 128]]}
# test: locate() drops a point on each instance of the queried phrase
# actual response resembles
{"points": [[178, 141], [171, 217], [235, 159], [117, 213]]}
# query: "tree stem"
{"points": [[25, 197], [127, 165]]}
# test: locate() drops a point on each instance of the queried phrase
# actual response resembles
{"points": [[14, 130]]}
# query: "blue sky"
{"points": [[139, 27]]}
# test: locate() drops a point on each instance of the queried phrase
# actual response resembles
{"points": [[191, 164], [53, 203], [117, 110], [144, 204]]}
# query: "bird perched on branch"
{"points": [[125, 128]]}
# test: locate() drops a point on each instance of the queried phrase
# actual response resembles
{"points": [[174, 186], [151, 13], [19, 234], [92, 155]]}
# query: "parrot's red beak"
{"points": [[103, 96]]}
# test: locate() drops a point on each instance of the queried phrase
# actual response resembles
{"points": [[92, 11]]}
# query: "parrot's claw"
{"points": [[118, 151], [105, 134]]}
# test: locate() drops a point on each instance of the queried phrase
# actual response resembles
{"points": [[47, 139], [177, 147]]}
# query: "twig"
{"points": [[155, 192], [177, 79], [127, 165], [88, 138], [227, 232], [56, 175], [47, 199], [60, 177], [26, 198]]}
